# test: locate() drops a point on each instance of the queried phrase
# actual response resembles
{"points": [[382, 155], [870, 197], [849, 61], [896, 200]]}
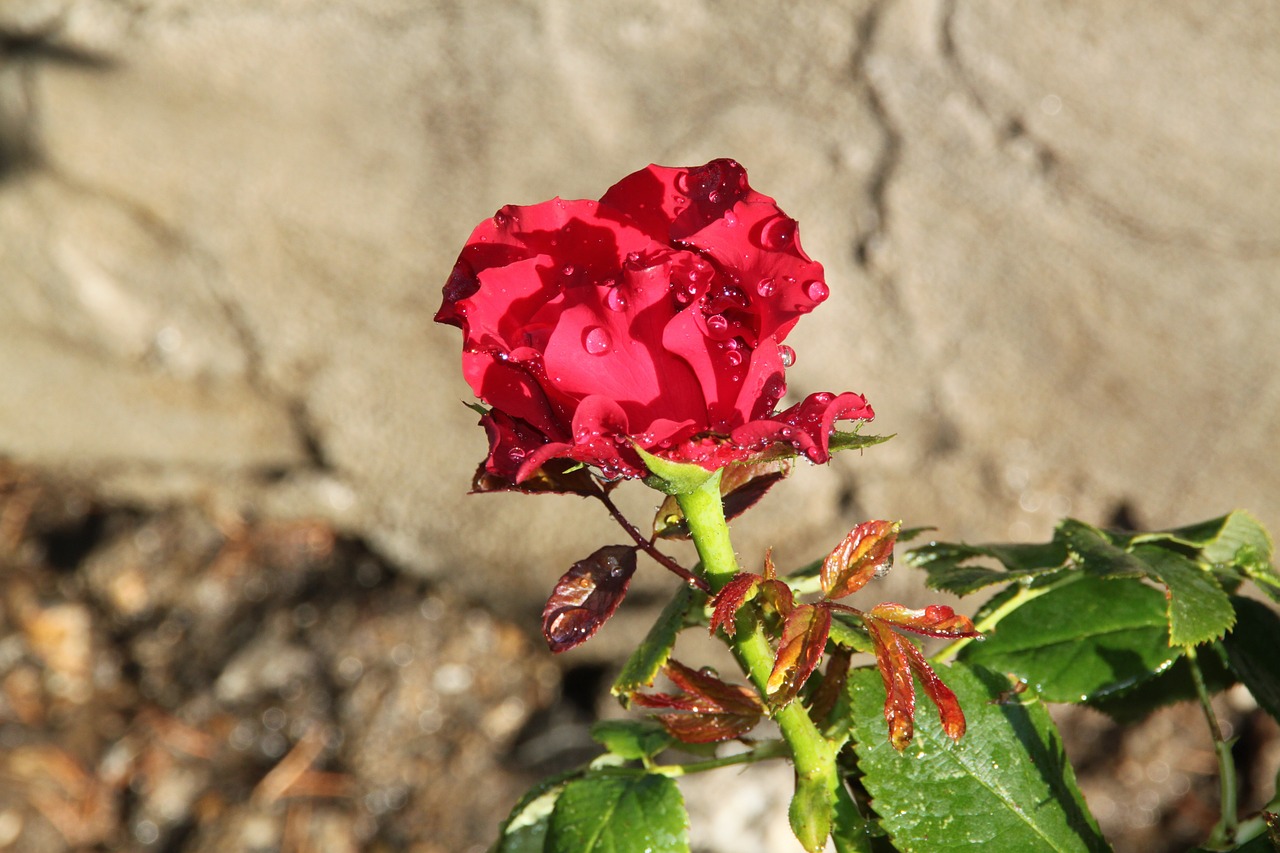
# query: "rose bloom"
{"points": [[654, 317]]}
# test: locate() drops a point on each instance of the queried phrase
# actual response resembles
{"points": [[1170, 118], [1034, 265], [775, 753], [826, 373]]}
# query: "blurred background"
{"points": [[247, 602]]}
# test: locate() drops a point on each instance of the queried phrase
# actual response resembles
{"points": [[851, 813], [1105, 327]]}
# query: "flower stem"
{"points": [[814, 756], [1223, 836], [649, 548]]}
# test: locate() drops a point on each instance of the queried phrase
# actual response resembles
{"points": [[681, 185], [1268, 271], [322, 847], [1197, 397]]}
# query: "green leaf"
{"points": [[1251, 651], [1096, 553], [1006, 784], [643, 665], [948, 568], [1199, 611], [525, 829], [1245, 544], [631, 739], [1242, 537], [854, 441], [619, 814], [1173, 685], [1081, 640], [848, 631]]}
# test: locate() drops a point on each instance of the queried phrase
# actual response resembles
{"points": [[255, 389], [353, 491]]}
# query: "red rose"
{"points": [[653, 317]]}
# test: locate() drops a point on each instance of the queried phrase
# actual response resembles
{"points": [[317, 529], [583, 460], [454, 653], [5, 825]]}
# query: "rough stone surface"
{"points": [[1050, 234], [1050, 231]]}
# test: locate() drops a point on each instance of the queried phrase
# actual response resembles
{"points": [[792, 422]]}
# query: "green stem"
{"points": [[764, 752], [1223, 836], [814, 756]]}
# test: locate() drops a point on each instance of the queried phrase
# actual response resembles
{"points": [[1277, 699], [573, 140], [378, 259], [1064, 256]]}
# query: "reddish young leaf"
{"points": [[778, 595], [707, 728], [942, 696], [867, 552], [804, 637], [823, 700], [728, 600], [936, 620], [899, 688], [898, 659], [586, 596], [713, 710]]}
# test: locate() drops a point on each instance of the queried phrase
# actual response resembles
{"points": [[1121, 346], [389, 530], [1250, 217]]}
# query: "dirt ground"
{"points": [[185, 679]]}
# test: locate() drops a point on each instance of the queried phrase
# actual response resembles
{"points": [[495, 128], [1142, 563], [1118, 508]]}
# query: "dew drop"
{"points": [[501, 218], [786, 432], [713, 196], [824, 397], [567, 269], [730, 218], [816, 290], [717, 325], [775, 387], [615, 300], [516, 454], [733, 357], [596, 341], [787, 354], [766, 287], [778, 233]]}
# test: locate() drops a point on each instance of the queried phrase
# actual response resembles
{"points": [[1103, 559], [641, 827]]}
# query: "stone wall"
{"points": [[1052, 234]]}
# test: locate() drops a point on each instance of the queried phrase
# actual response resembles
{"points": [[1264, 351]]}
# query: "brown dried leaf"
{"points": [[586, 596]]}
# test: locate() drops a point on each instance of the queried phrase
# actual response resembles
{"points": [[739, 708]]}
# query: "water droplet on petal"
{"points": [[766, 287], [775, 387], [787, 354], [816, 290], [824, 397], [615, 300], [786, 432], [567, 269], [730, 218], [501, 218], [733, 357], [717, 324], [516, 454], [778, 233], [713, 196], [596, 341]]}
